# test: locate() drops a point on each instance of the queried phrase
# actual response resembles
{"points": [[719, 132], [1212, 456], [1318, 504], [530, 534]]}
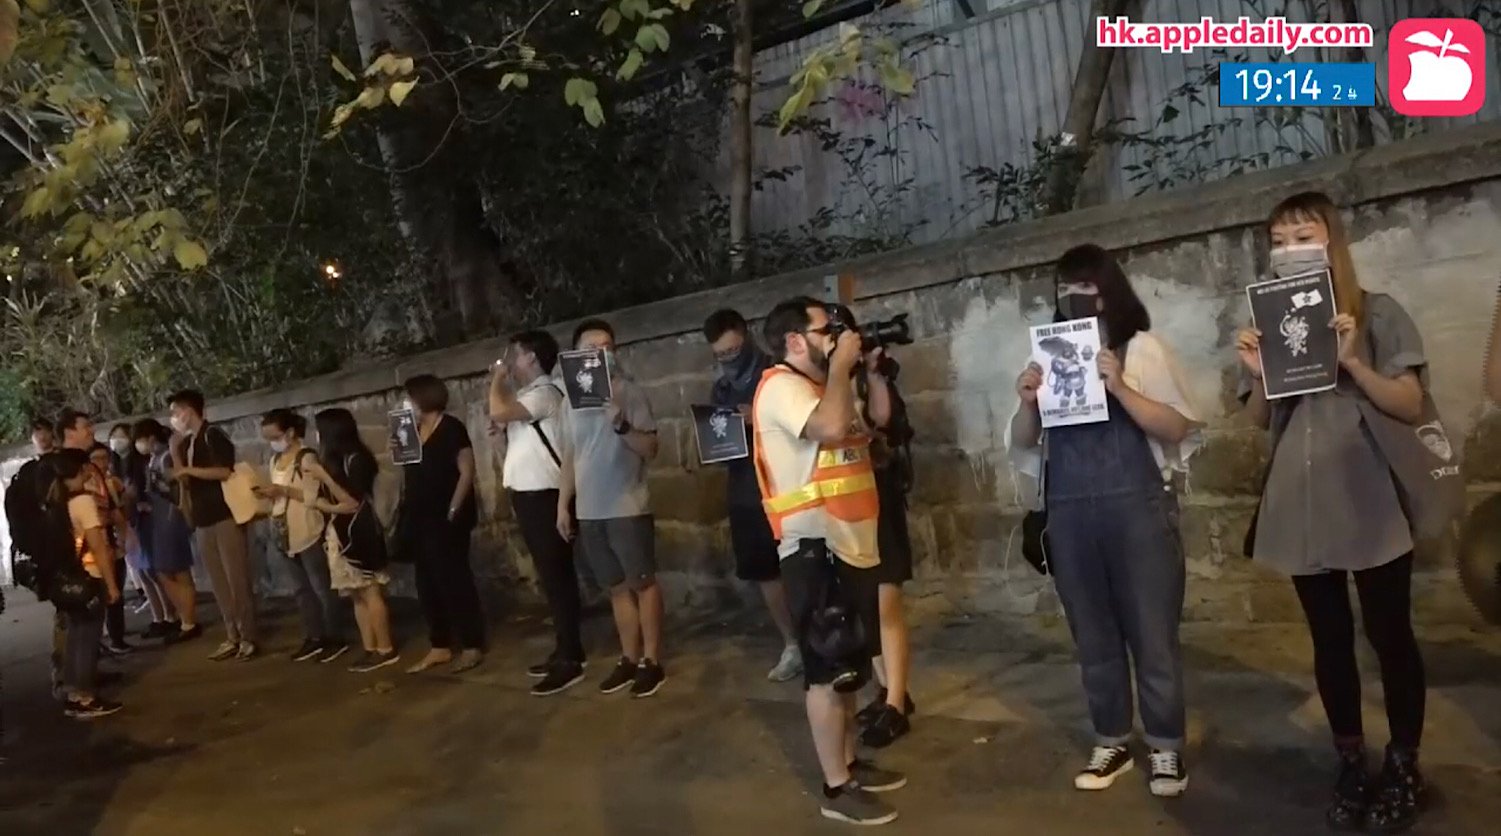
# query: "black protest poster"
{"points": [[720, 433], [586, 377], [406, 443], [1299, 351]]}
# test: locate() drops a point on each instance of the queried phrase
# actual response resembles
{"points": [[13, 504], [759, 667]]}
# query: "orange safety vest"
{"points": [[843, 483]]}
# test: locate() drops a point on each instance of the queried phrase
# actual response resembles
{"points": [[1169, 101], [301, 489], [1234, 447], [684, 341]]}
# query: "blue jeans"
{"points": [[322, 613], [1118, 563]]}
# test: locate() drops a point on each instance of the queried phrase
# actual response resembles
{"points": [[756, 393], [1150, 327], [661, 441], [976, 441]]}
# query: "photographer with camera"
{"points": [[886, 718], [813, 467]]}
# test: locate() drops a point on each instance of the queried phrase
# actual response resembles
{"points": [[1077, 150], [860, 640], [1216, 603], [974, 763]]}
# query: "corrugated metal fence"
{"points": [[991, 86]]}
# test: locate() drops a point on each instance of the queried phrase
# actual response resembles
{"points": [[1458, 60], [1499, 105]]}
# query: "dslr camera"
{"points": [[873, 335]]}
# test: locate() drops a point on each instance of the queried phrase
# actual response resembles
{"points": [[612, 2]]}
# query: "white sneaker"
{"points": [[788, 667], [225, 651]]}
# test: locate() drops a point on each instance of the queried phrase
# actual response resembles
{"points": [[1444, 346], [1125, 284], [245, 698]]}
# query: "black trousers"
{"points": [[537, 514], [114, 614], [1386, 610], [445, 586]]}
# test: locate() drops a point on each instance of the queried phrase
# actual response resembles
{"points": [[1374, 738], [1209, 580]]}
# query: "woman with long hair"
{"points": [[1116, 552], [1330, 510], [297, 531], [169, 557], [354, 543], [111, 498]]}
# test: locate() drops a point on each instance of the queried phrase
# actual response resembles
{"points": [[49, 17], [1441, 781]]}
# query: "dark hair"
{"points": [[339, 444], [285, 420], [588, 325], [541, 343], [190, 398], [428, 394], [39, 424], [1124, 315], [726, 319], [68, 419], [787, 317], [150, 428], [125, 428], [57, 466]]}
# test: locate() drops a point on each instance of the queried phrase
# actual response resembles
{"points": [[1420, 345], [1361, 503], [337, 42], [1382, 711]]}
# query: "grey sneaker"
{"points": [[788, 667], [854, 805], [225, 651], [872, 778]]}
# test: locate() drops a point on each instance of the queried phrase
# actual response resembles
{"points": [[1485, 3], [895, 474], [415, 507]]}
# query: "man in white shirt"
{"points": [[819, 492], [525, 398]]}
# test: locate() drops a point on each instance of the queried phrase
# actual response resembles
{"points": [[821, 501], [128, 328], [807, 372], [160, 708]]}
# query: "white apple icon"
{"points": [[1437, 77]]}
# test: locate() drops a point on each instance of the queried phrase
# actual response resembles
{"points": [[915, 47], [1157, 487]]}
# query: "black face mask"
{"points": [[737, 364], [1079, 305]]}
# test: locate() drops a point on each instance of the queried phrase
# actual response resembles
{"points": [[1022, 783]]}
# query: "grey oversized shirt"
{"points": [[1330, 501], [609, 479]]}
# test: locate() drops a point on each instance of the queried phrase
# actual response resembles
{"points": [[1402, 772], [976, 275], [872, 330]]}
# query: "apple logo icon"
{"points": [[1437, 76]]}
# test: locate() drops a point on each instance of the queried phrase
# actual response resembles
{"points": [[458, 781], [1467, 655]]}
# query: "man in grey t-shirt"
{"points": [[605, 455]]}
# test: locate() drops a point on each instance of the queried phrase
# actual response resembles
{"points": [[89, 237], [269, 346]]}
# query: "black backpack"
{"points": [[23, 513]]}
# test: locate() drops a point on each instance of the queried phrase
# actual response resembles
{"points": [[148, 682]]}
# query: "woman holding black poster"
{"points": [[1330, 509], [1116, 554]]}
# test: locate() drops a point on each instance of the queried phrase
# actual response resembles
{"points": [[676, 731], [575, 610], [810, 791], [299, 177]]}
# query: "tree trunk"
{"points": [[1077, 136], [740, 143], [440, 215]]}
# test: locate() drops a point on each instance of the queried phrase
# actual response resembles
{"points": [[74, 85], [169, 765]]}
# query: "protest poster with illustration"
{"points": [[1299, 351], [406, 442], [586, 377], [1072, 391], [720, 433]]}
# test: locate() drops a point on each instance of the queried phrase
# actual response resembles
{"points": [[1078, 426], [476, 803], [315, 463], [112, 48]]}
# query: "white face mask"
{"points": [[119, 445], [143, 447], [179, 424], [1297, 259], [279, 445]]}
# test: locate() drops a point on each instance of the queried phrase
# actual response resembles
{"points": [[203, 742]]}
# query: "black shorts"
{"points": [[755, 548], [805, 574], [892, 536]]}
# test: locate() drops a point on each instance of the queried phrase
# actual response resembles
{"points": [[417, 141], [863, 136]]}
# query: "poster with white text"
{"points": [[586, 377], [1072, 391], [1299, 351], [720, 433]]}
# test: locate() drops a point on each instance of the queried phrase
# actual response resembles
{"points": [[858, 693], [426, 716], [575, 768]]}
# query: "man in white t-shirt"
{"points": [[525, 398], [818, 489]]}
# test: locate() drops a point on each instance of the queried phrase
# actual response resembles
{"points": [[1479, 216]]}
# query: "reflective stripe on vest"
{"points": [[842, 483]]}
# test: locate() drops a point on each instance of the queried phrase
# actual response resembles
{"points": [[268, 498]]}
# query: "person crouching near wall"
{"points": [[1115, 551]]}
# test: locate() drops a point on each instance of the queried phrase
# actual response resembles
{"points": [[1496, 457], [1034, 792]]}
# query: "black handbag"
{"points": [[1035, 545]]}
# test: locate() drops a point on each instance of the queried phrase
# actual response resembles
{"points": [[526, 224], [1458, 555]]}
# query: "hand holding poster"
{"points": [[1072, 391], [406, 442], [720, 433], [1299, 350], [586, 377]]}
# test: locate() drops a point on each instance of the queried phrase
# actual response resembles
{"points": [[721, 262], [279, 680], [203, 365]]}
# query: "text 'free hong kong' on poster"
{"points": [[1072, 391]]}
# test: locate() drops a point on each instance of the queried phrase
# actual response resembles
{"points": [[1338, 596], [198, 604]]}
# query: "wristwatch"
{"points": [[623, 427]]}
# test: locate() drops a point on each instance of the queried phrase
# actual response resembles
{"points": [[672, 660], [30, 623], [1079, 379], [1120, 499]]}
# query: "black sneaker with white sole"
{"points": [[1169, 776], [374, 660], [649, 679], [308, 650], [93, 709], [623, 675], [560, 677], [853, 804], [872, 778], [1106, 763]]}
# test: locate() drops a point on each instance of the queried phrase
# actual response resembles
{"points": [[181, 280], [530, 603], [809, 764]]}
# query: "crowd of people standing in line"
{"points": [[817, 516]]}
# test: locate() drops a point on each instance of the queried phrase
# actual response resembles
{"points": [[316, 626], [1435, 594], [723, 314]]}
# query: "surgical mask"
{"points": [[143, 447], [279, 445], [1297, 259], [179, 424], [119, 445]]}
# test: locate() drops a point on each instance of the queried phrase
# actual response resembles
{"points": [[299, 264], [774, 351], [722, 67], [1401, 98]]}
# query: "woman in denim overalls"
{"points": [[1114, 547]]}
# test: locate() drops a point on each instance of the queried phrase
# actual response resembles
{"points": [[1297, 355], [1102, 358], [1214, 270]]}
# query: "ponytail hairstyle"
{"points": [[1316, 207]]}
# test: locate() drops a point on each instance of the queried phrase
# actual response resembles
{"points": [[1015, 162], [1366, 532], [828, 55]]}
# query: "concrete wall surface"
{"points": [[1425, 219]]}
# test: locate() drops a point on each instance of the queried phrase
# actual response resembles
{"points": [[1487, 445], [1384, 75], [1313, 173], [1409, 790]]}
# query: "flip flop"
{"points": [[428, 664]]}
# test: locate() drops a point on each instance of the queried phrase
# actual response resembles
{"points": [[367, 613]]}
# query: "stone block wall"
{"points": [[1425, 221]]}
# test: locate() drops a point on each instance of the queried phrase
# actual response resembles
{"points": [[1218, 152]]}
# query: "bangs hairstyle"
{"points": [[1124, 315], [1316, 207]]}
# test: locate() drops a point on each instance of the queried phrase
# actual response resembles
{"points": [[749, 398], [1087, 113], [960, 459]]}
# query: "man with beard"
{"points": [[741, 363], [818, 488]]}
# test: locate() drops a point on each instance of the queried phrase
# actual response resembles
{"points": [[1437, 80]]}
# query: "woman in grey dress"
{"points": [[1329, 510]]}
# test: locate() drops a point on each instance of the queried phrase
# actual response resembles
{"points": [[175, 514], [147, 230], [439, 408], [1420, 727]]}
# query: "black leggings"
{"points": [[446, 589], [1386, 611]]}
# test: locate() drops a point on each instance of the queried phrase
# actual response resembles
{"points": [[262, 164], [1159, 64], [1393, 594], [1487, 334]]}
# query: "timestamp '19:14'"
{"points": [[1319, 84]]}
